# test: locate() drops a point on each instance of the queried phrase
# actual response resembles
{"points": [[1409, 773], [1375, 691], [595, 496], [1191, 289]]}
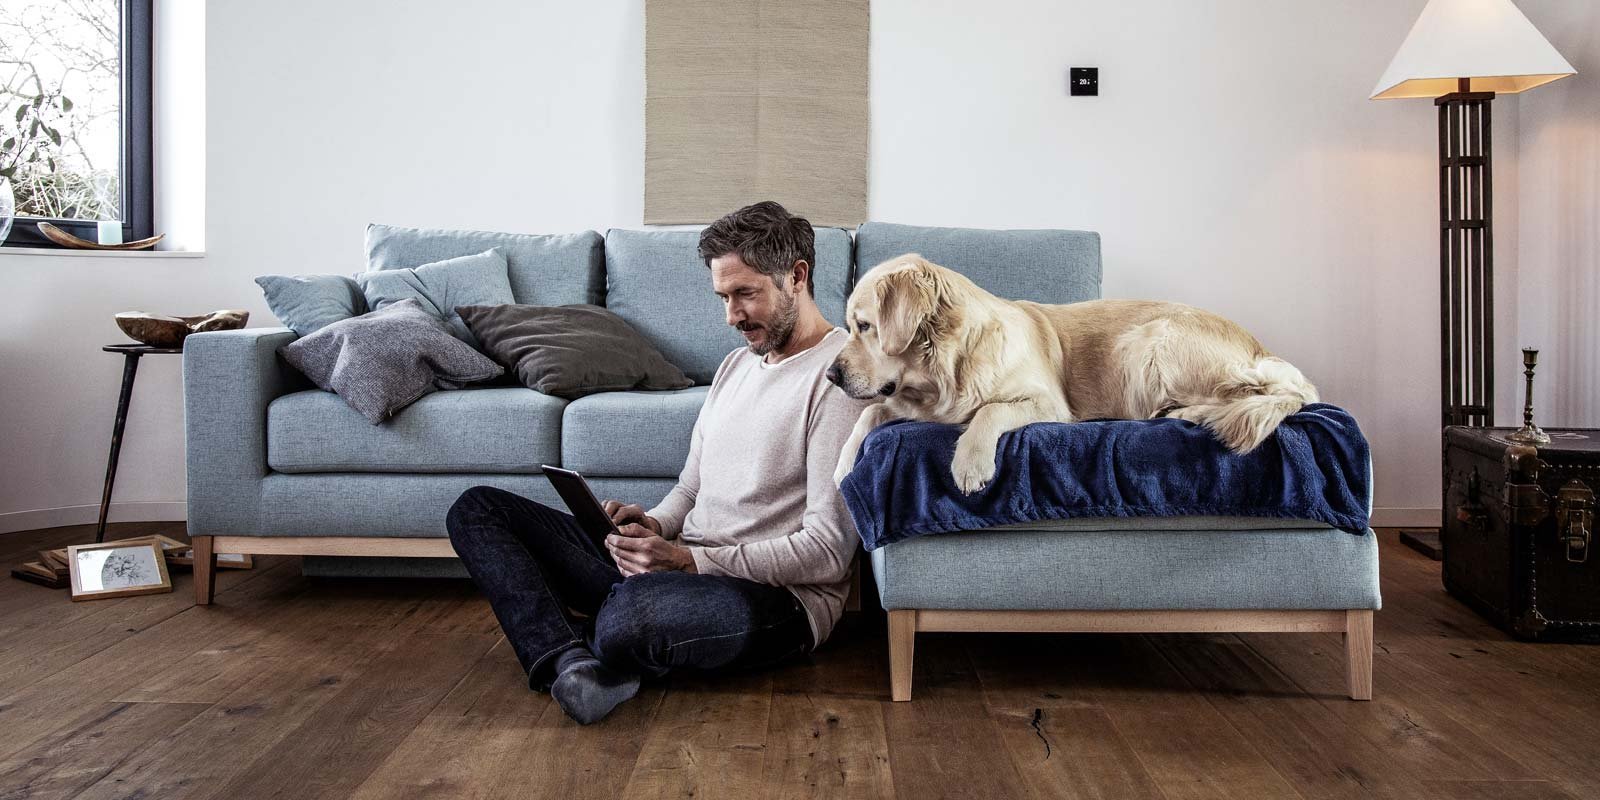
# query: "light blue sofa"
{"points": [[277, 466]]}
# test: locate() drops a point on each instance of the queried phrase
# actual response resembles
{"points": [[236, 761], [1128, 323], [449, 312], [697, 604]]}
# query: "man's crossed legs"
{"points": [[535, 563]]}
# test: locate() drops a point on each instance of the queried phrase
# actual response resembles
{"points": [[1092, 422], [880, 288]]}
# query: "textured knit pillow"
{"points": [[306, 303], [386, 360], [476, 280], [571, 351]]}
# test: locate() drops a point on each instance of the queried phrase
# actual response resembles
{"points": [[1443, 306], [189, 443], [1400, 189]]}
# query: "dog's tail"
{"points": [[1249, 406]]}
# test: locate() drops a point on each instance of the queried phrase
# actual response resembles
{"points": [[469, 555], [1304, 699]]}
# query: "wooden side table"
{"points": [[130, 367]]}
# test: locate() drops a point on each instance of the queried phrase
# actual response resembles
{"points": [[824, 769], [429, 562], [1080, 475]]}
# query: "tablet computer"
{"points": [[580, 500]]}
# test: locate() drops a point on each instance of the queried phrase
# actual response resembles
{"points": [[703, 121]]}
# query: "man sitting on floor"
{"points": [[746, 562]]}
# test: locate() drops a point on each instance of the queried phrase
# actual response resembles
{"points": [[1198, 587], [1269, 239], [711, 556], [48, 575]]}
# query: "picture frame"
{"points": [[54, 559], [169, 545], [117, 569], [185, 557], [42, 574]]}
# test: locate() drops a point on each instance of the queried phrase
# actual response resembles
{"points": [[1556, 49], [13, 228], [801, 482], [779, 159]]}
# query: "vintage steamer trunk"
{"points": [[1518, 533]]}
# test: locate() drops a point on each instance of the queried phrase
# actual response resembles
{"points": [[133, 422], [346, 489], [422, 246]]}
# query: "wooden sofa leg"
{"points": [[1358, 652], [902, 639], [205, 570]]}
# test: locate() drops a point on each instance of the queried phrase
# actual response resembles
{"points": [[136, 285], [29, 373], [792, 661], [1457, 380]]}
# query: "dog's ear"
{"points": [[905, 298]]}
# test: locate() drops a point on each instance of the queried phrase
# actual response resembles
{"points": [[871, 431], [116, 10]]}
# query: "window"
{"points": [[75, 116]]}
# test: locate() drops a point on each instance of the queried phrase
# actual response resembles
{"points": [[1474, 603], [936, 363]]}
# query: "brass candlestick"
{"points": [[1529, 433]]}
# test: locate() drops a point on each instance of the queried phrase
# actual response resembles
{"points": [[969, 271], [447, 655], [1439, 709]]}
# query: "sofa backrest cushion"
{"points": [[552, 270], [1045, 266], [656, 281]]}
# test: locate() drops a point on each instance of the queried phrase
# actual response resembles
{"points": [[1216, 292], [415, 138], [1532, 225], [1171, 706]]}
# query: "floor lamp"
{"points": [[1461, 53]]}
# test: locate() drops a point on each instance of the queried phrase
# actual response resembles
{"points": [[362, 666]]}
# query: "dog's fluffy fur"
{"points": [[938, 348]]}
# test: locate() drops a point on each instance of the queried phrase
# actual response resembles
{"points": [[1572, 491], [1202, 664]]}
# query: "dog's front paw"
{"points": [[973, 468], [841, 471]]}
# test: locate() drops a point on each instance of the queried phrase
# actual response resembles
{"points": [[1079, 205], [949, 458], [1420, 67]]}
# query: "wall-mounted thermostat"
{"points": [[1084, 81]]}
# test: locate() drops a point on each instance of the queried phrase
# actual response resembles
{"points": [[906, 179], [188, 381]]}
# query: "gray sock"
{"points": [[586, 689]]}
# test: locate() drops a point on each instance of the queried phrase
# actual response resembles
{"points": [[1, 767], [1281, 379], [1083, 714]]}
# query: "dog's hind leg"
{"points": [[1250, 405], [1144, 356]]}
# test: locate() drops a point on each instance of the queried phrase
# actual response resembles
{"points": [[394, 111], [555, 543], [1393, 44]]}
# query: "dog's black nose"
{"points": [[834, 375], [887, 389]]}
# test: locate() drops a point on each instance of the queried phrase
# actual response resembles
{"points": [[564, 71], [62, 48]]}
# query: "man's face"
{"points": [[762, 311]]}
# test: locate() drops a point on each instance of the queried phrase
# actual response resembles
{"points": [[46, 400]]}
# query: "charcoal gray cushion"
{"points": [[383, 361], [657, 282], [307, 303], [478, 279], [544, 270], [570, 351], [1045, 266]]}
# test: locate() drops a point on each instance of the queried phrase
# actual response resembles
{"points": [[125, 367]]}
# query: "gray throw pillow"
{"points": [[306, 303], [386, 360], [475, 280], [571, 351]]}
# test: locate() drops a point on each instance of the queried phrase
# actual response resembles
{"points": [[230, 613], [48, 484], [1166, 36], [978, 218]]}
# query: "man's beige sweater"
{"points": [[756, 499]]}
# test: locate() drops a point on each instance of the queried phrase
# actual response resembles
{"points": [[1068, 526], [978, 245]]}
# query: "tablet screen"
{"points": [[580, 500]]}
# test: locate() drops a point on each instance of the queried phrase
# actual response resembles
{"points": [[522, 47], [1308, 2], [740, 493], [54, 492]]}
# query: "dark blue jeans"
{"points": [[537, 566]]}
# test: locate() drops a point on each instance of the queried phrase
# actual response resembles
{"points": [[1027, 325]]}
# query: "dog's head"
{"points": [[895, 317]]}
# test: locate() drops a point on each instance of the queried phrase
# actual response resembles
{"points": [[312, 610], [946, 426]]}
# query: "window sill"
{"points": [[63, 251]]}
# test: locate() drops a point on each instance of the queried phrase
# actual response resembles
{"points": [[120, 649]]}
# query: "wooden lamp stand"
{"points": [[1466, 275]]}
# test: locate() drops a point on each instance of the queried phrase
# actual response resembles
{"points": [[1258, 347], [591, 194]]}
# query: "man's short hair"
{"points": [[765, 236]]}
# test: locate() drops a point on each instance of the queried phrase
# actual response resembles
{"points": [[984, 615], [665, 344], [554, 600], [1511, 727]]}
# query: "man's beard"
{"points": [[779, 328]]}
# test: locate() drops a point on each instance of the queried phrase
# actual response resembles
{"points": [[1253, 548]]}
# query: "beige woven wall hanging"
{"points": [[749, 100]]}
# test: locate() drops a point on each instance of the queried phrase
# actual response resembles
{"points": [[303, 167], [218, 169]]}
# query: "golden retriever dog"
{"points": [[937, 348]]}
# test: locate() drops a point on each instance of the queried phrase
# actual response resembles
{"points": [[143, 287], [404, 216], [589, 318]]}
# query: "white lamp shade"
{"points": [[1488, 42]]}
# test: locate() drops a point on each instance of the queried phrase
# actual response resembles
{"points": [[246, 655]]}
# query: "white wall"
{"points": [[1558, 296], [1232, 161]]}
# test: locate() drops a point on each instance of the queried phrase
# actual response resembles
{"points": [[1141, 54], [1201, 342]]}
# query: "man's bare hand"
{"points": [[621, 514], [639, 549]]}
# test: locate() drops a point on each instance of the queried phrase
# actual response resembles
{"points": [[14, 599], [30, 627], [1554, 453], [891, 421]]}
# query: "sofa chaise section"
{"points": [[1142, 574]]}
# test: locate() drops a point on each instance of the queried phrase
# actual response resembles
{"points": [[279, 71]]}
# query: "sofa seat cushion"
{"points": [[386, 504], [480, 430], [1125, 568], [636, 434]]}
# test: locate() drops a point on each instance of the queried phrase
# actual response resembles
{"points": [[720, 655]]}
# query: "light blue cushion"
{"points": [[307, 303], [1129, 568], [657, 282], [553, 270], [376, 504], [500, 430], [442, 286], [630, 433], [1045, 266], [410, 508]]}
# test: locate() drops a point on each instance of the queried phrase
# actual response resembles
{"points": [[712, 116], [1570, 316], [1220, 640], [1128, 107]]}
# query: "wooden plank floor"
{"points": [[301, 688]]}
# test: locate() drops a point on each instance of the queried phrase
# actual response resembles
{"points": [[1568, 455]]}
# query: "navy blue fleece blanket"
{"points": [[1315, 467]]}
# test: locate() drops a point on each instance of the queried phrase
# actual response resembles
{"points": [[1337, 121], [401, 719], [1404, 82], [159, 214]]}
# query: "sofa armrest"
{"points": [[229, 378]]}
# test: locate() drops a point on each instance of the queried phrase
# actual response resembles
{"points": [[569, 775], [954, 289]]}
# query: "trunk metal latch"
{"points": [[1471, 512], [1526, 503], [1575, 519]]}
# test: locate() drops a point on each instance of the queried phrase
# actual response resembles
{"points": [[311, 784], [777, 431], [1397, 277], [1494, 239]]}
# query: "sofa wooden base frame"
{"points": [[206, 549], [1356, 625]]}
